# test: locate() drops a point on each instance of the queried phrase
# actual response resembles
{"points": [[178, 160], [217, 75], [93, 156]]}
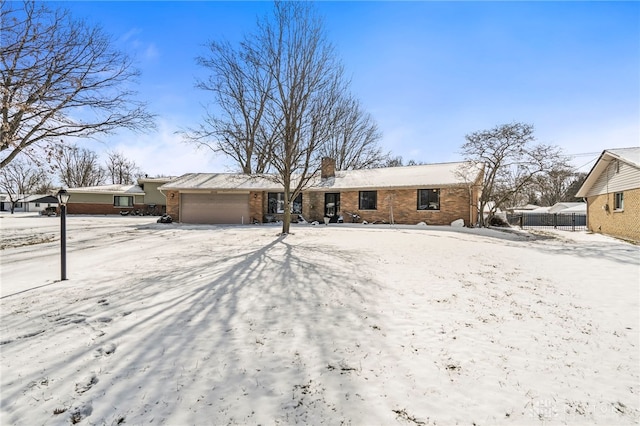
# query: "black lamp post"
{"points": [[63, 199]]}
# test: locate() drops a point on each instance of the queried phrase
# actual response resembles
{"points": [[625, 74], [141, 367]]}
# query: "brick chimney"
{"points": [[328, 168]]}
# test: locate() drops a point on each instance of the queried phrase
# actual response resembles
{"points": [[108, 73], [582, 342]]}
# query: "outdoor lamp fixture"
{"points": [[63, 199]]}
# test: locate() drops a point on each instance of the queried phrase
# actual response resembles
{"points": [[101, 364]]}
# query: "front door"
{"points": [[332, 205]]}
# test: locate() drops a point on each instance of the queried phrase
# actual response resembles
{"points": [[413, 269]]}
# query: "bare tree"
{"points": [[60, 77], [575, 184], [552, 185], [241, 87], [120, 170], [20, 178], [353, 138], [394, 162], [307, 85], [279, 98], [511, 161], [79, 167], [45, 186]]}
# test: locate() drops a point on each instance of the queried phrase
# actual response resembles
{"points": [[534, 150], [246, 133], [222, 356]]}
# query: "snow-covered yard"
{"points": [[182, 324]]}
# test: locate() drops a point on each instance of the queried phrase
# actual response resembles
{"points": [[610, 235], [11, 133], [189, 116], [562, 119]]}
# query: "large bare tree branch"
{"points": [[511, 162], [78, 167], [61, 77], [21, 178], [280, 103]]}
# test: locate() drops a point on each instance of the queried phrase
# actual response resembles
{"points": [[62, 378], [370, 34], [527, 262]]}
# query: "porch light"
{"points": [[63, 198]]}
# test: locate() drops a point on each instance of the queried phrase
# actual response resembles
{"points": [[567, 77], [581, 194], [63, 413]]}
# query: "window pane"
{"points": [[428, 199], [296, 207], [276, 203], [272, 202], [368, 200], [123, 201], [618, 201]]}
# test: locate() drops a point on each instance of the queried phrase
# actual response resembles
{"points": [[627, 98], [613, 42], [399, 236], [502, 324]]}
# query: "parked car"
{"points": [[49, 211]]}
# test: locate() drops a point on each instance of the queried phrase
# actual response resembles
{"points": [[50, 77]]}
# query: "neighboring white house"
{"points": [[27, 203], [38, 202]]}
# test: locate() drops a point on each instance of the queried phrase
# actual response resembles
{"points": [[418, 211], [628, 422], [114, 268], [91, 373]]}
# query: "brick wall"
{"points": [[328, 168], [313, 206], [173, 205], [454, 204], [623, 224], [257, 205], [98, 208]]}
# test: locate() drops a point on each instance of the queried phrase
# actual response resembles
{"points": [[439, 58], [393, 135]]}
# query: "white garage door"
{"points": [[215, 208]]}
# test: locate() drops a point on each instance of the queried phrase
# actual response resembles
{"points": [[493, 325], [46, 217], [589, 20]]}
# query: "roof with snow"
{"points": [[630, 156], [525, 207], [442, 174], [578, 208], [39, 198], [557, 207], [164, 179], [227, 181], [108, 189]]}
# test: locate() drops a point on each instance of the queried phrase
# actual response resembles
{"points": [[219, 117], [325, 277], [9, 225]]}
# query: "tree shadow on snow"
{"points": [[235, 324]]}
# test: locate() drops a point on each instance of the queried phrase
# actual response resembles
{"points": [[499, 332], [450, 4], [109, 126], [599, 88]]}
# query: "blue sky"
{"points": [[428, 72]]}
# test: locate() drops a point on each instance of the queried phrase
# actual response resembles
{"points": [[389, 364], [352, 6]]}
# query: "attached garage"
{"points": [[217, 208]]}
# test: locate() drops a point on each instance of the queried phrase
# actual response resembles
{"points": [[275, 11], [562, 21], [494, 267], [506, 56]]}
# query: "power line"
{"points": [[583, 154]]}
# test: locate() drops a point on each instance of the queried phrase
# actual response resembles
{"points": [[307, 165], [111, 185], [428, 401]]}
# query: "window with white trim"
{"points": [[618, 201]]}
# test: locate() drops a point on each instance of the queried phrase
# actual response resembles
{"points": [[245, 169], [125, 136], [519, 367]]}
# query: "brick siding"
{"points": [[98, 208], [623, 224], [257, 205], [328, 168], [454, 204], [173, 205]]}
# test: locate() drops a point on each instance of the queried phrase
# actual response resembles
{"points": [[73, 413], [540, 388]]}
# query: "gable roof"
{"points": [[221, 181], [39, 198], [427, 175], [630, 156], [108, 189]]}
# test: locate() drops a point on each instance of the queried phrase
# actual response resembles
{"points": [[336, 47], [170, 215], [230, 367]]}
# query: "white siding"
{"points": [[618, 176]]}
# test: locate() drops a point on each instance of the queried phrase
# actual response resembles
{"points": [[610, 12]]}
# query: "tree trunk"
{"points": [[286, 218]]}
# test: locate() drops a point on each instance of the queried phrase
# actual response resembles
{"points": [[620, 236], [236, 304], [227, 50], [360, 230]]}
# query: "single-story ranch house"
{"points": [[436, 194], [612, 191], [119, 199], [28, 203]]}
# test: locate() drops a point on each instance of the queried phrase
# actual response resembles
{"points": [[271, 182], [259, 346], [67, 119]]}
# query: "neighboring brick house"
{"points": [[144, 198], [612, 193], [432, 193]]}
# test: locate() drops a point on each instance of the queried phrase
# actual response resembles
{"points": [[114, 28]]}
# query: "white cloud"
{"points": [[151, 52], [164, 153]]}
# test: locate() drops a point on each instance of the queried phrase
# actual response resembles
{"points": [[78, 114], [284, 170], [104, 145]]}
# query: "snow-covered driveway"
{"points": [[182, 324]]}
